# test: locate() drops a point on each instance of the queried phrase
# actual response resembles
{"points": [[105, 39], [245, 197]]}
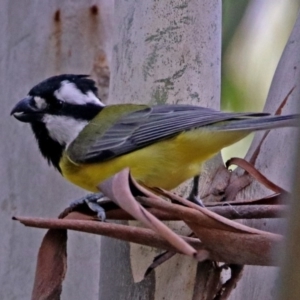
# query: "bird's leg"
{"points": [[194, 195], [93, 202]]}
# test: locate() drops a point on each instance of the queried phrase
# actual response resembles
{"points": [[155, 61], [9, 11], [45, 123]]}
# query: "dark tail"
{"points": [[259, 123]]}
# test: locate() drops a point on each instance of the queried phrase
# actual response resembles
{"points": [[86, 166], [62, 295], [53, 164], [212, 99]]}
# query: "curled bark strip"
{"points": [[221, 239], [242, 163], [273, 199], [236, 186], [257, 209], [226, 289], [278, 112], [123, 232], [226, 239], [208, 278], [159, 260], [219, 182], [120, 214], [249, 211], [51, 266], [202, 216], [117, 189]]}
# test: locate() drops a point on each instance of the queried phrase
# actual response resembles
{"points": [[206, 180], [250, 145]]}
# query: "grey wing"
{"points": [[147, 126]]}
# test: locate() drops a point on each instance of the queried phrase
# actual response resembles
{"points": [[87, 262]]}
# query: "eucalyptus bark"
{"points": [[164, 52], [289, 279], [276, 160], [41, 39]]}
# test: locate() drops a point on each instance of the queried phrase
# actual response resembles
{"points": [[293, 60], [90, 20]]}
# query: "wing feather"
{"points": [[144, 127]]}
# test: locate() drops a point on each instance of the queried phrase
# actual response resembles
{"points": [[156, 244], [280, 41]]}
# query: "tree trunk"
{"points": [[276, 161], [290, 276], [164, 52], [40, 39]]}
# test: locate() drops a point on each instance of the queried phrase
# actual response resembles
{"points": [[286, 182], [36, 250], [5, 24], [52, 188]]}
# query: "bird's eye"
{"points": [[57, 105]]}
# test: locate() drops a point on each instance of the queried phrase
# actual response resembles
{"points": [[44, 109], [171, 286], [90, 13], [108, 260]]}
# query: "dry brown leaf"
{"points": [[242, 163], [51, 266]]}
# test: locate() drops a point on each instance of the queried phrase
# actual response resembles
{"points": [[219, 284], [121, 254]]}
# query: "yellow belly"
{"points": [[165, 164]]}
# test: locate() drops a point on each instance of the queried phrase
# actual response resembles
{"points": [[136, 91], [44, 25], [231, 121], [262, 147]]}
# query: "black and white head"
{"points": [[58, 108]]}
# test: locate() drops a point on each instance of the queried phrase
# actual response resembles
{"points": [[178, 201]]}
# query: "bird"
{"points": [[162, 145]]}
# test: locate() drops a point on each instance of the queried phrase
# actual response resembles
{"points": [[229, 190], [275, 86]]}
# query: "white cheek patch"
{"points": [[40, 103], [68, 92], [63, 129]]}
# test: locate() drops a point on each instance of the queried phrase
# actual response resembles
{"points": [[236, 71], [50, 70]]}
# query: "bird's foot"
{"points": [[195, 199], [194, 195], [93, 202]]}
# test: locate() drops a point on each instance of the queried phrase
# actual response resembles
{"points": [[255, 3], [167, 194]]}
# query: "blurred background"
{"points": [[254, 35]]}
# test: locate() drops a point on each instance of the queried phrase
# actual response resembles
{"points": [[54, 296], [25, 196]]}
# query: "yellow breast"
{"points": [[165, 164]]}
